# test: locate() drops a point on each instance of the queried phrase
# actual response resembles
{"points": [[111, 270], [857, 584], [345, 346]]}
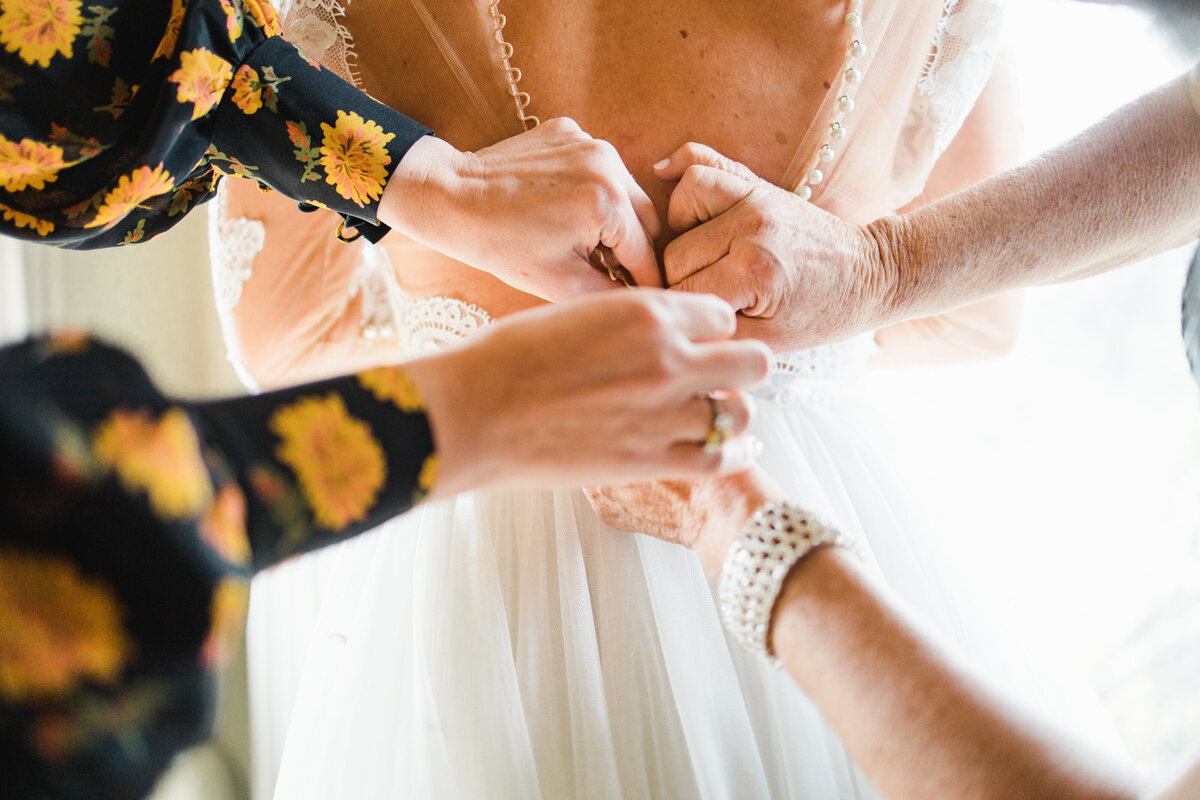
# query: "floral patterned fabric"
{"points": [[119, 116], [130, 524]]}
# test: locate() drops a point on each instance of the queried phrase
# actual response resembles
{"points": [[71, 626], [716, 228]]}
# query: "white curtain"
{"points": [[14, 319], [154, 299]]}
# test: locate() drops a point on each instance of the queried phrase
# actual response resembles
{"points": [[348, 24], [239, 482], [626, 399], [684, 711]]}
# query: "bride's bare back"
{"points": [[755, 81], [645, 76]]}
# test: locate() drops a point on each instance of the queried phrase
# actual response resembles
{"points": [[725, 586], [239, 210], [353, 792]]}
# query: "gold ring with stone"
{"points": [[721, 429]]}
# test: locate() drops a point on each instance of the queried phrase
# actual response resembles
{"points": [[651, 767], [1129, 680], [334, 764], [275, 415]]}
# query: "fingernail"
{"points": [[666, 162]]}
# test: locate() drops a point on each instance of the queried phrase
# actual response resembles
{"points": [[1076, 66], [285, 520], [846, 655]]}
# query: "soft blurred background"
{"points": [[1070, 467]]}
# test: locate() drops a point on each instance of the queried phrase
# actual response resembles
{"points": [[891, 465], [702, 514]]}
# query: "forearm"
{"points": [[985, 146], [915, 720], [1124, 190], [918, 724]]}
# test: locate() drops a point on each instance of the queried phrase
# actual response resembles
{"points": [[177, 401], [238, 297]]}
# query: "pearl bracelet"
{"points": [[771, 543]]}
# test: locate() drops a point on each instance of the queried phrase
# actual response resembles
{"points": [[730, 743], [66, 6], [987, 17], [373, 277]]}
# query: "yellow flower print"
{"points": [[224, 526], [161, 457], [340, 466], [37, 30], [22, 220], [247, 94], [394, 384], [202, 77], [131, 191], [429, 473], [354, 156], [28, 163], [57, 628], [233, 20], [166, 45], [227, 617], [264, 16]]}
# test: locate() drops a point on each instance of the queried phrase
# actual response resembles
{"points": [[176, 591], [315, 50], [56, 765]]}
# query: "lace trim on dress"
{"points": [[425, 325], [232, 246], [835, 360], [315, 26], [960, 62], [421, 325], [373, 280], [521, 99]]}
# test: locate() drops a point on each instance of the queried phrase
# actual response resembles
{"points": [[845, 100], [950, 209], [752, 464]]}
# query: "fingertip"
{"points": [[766, 359], [671, 167], [725, 318], [639, 259], [737, 455]]}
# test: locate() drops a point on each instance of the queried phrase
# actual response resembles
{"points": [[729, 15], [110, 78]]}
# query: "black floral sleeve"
{"points": [[130, 525], [119, 116]]}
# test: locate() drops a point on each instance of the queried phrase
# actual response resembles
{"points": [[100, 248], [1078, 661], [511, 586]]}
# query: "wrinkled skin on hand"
{"points": [[797, 275], [704, 515]]}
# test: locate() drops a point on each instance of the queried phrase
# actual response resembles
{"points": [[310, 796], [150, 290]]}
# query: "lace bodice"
{"points": [[431, 324], [859, 185]]}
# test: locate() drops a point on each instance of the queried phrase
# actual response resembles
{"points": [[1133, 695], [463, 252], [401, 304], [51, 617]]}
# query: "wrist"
{"points": [[778, 538], [743, 494], [889, 269], [421, 189], [466, 458]]}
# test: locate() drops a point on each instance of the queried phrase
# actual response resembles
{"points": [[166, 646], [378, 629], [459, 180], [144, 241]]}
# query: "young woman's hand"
{"points": [[606, 389], [529, 210]]}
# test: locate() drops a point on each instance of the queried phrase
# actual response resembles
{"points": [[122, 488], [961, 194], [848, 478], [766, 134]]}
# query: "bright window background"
{"points": [[1071, 467]]}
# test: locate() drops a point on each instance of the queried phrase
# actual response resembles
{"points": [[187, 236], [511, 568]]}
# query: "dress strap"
{"points": [[457, 64]]}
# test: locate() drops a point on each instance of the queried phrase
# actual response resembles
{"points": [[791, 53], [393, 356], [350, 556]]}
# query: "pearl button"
{"points": [[845, 104], [853, 21], [853, 75], [836, 131], [858, 49], [815, 176], [805, 192], [825, 153]]}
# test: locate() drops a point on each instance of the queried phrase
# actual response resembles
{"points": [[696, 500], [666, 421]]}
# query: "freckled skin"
{"points": [[646, 75]]}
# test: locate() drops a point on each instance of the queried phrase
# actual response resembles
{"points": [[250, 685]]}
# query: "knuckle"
{"points": [[647, 314], [756, 217], [760, 266], [694, 150], [599, 199], [693, 174], [560, 124]]}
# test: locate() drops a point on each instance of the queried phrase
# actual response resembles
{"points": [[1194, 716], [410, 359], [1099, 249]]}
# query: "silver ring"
{"points": [[721, 428]]}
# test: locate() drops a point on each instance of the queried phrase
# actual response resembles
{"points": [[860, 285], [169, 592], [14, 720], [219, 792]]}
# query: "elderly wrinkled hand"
{"points": [[798, 275], [703, 515]]}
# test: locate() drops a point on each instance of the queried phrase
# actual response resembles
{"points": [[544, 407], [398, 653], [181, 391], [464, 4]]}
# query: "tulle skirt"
{"points": [[506, 644]]}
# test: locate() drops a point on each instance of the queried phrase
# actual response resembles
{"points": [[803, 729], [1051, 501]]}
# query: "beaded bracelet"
{"points": [[775, 538]]}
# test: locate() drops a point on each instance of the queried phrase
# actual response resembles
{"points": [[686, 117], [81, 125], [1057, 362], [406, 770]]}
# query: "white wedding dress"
{"points": [[506, 644]]}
